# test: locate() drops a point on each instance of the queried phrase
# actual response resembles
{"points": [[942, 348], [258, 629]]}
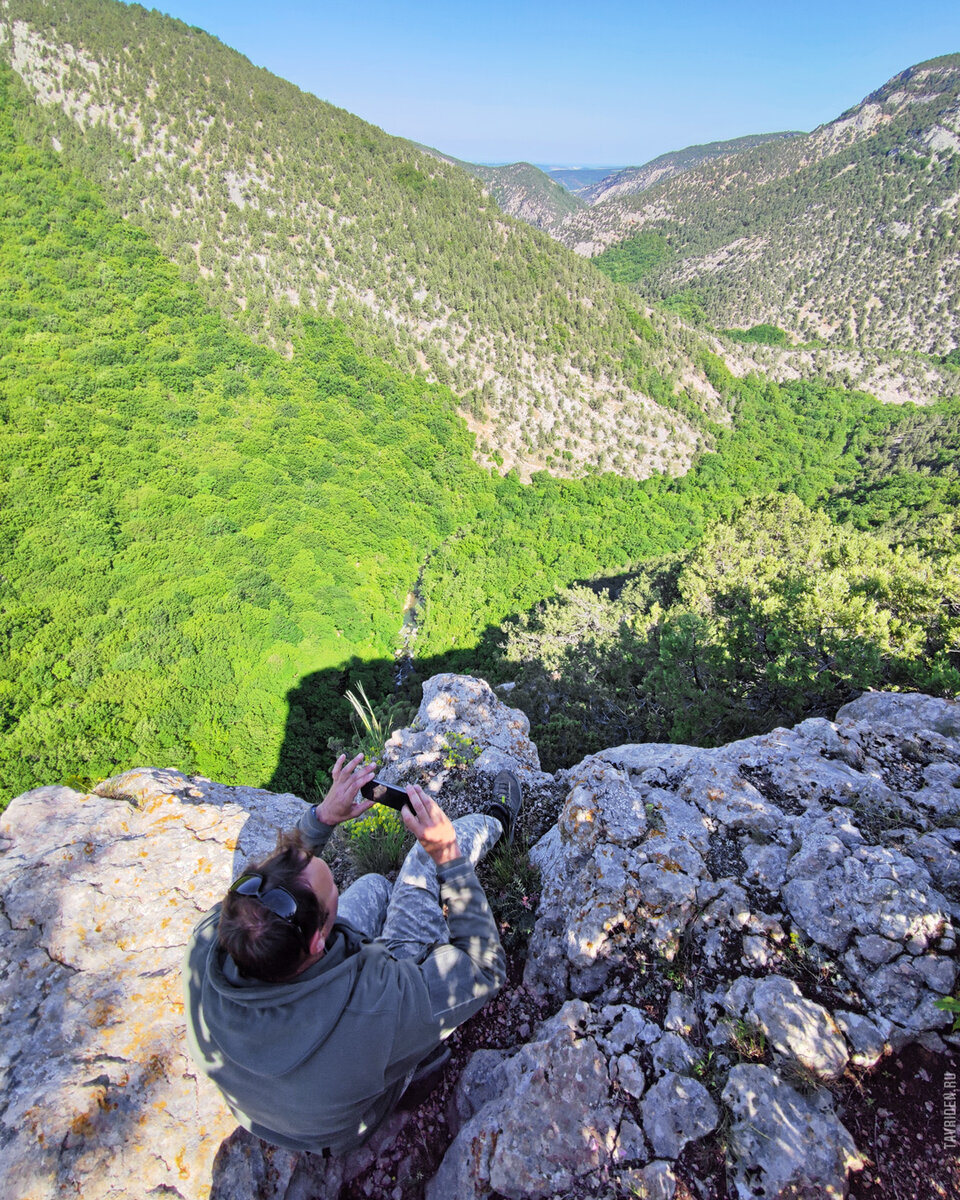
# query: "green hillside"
{"points": [[190, 522], [766, 607], [636, 179], [520, 189], [205, 540], [277, 205], [527, 193], [774, 616], [847, 236], [196, 529]]}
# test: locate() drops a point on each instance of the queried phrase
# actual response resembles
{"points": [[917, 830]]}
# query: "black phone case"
{"points": [[392, 797]]}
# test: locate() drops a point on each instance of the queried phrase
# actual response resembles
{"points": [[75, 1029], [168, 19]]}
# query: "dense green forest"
{"points": [[204, 541], [775, 615], [190, 521], [276, 205], [815, 554]]}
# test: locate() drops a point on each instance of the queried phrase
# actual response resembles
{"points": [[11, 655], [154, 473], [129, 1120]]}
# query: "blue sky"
{"points": [[609, 83]]}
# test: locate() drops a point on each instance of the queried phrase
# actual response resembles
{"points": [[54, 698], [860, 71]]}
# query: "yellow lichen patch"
{"points": [[100, 1013], [33, 1119], [714, 793], [167, 819], [82, 1125]]}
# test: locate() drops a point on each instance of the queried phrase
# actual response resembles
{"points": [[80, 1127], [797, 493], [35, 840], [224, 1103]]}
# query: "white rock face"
{"points": [[460, 707], [553, 1123], [797, 1028], [823, 860], [677, 1110], [99, 896], [822, 840], [809, 880], [783, 1143]]}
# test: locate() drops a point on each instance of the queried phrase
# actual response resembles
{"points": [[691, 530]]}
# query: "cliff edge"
{"points": [[723, 935]]}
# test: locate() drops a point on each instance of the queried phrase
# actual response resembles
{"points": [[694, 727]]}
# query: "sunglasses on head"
{"points": [[277, 899]]}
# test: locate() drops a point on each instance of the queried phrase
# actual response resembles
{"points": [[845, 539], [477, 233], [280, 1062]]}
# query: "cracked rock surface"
{"points": [[734, 929], [723, 934], [99, 894]]}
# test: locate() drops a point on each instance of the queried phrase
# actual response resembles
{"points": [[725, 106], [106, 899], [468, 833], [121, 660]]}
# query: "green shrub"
{"points": [[374, 732], [950, 1004], [512, 885], [462, 751], [764, 335], [378, 841]]}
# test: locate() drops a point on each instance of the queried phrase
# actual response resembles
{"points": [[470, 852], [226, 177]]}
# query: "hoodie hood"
{"points": [[264, 1027]]}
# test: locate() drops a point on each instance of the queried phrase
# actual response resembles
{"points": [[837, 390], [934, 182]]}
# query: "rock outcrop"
{"points": [[722, 934]]}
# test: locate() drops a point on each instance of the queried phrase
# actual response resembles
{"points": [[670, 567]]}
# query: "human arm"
{"points": [[341, 803]]}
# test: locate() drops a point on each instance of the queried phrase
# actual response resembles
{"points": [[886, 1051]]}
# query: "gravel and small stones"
{"points": [[762, 781], [724, 858]]}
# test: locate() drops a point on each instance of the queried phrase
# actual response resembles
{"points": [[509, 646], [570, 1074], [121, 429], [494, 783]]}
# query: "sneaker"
{"points": [[505, 805]]}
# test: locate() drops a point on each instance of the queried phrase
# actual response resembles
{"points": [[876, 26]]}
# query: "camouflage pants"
{"points": [[407, 915]]}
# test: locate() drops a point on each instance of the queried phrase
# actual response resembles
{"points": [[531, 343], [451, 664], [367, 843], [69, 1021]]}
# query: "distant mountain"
{"points": [[521, 190], [629, 180], [578, 179], [277, 204], [846, 236]]}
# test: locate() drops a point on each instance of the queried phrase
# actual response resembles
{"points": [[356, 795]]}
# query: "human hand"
{"points": [[341, 803], [430, 825]]}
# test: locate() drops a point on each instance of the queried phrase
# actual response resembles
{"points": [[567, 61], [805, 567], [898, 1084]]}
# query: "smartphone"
{"points": [[385, 793]]}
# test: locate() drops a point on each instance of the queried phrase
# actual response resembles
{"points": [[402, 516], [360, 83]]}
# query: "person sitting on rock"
{"points": [[314, 1013]]}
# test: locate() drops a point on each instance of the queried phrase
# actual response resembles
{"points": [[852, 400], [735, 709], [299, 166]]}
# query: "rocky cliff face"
{"points": [[722, 935]]}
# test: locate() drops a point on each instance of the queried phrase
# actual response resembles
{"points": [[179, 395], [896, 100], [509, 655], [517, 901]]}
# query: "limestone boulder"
{"points": [[99, 894], [791, 898], [552, 1129], [783, 1143], [461, 721]]}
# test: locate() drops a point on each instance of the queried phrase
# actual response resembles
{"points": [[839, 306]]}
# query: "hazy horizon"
{"points": [[551, 83]]}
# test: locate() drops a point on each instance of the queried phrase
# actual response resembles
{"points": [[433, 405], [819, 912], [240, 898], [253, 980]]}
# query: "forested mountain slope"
{"points": [[204, 543], [846, 236], [276, 205], [522, 191], [630, 180], [188, 521]]}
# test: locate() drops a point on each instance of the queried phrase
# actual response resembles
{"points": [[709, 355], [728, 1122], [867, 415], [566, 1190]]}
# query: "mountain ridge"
{"points": [[629, 180], [274, 203], [847, 235]]}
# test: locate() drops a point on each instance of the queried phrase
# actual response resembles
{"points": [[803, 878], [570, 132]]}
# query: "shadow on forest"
{"points": [[318, 710]]}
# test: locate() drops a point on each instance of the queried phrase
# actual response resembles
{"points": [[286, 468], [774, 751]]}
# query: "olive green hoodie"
{"points": [[318, 1062]]}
